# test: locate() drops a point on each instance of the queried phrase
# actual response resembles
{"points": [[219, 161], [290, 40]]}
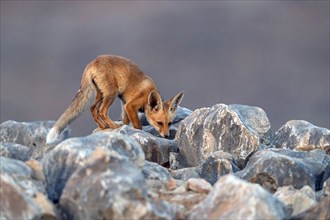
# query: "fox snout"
{"points": [[162, 129], [165, 135]]}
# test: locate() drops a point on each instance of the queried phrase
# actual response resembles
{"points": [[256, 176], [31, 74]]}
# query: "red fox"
{"points": [[109, 76]]}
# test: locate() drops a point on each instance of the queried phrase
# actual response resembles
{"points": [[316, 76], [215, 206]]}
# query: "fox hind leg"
{"points": [[107, 100], [95, 109]]}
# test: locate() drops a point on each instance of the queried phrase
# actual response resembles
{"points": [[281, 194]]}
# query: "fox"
{"points": [[111, 76]]}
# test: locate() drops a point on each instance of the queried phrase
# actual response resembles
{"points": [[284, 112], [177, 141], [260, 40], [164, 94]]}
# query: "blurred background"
{"points": [[270, 54]]}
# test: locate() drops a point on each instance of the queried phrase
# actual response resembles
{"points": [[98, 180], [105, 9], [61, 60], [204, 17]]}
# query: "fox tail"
{"points": [[75, 109]]}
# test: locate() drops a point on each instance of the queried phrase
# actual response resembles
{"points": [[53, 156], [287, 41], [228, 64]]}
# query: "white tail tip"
{"points": [[52, 136]]}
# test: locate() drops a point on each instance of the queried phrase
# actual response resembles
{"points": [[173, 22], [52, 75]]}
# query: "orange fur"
{"points": [[109, 76]]}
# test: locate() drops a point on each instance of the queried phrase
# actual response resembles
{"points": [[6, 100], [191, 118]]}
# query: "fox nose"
{"points": [[166, 136]]}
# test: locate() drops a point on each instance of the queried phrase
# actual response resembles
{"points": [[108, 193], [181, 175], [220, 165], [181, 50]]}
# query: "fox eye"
{"points": [[170, 123], [160, 123]]}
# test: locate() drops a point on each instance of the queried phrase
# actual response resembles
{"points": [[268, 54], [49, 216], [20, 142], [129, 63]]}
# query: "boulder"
{"points": [[217, 164], [326, 187], [156, 176], [198, 185], [153, 171], [302, 135], [102, 190], [121, 174], [30, 134], [235, 129], [184, 194], [23, 174], [299, 200], [14, 151], [319, 211], [229, 198], [156, 149], [22, 196], [71, 154], [273, 168], [177, 161], [185, 173]]}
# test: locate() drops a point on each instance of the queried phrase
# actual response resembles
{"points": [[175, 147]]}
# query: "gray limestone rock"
{"points": [[153, 171], [106, 176], [97, 190], [273, 168], [185, 173], [233, 198], [319, 211], [235, 129], [21, 195], [302, 135], [156, 149], [326, 187], [30, 134], [71, 154], [198, 185], [23, 175], [14, 151], [299, 200], [217, 164], [177, 161]]}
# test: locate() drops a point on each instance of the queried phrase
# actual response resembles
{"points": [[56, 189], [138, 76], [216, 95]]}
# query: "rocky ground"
{"points": [[222, 162]]}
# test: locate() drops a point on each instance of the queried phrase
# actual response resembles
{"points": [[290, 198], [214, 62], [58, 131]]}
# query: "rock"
{"points": [[199, 185], [177, 161], [217, 164], [71, 154], [153, 171], [156, 176], [14, 151], [326, 187], [30, 134], [182, 196], [37, 171], [15, 204], [302, 135], [22, 196], [187, 199], [319, 211], [171, 184], [235, 129], [102, 190], [273, 168], [299, 200], [156, 149], [185, 173], [106, 176], [22, 174], [229, 198]]}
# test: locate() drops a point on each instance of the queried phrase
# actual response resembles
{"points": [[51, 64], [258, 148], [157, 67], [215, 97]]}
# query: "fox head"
{"points": [[161, 114]]}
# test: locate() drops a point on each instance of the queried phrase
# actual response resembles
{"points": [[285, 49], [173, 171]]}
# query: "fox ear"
{"points": [[175, 101], [154, 100]]}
